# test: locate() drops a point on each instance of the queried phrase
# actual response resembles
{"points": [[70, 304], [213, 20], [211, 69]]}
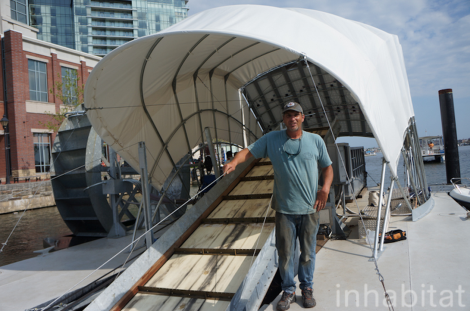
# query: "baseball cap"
{"points": [[293, 106]]}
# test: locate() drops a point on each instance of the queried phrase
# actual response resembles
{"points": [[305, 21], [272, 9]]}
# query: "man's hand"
{"points": [[320, 203], [229, 167], [241, 157]]}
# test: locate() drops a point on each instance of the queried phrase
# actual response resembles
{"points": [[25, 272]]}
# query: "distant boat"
{"points": [[432, 148], [369, 153]]}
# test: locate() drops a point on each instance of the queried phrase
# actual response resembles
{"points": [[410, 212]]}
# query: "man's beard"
{"points": [[294, 129]]}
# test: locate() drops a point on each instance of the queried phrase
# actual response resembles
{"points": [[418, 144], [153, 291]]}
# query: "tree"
{"points": [[70, 92]]}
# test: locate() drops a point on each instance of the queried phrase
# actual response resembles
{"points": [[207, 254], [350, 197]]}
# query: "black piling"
{"points": [[449, 131]]}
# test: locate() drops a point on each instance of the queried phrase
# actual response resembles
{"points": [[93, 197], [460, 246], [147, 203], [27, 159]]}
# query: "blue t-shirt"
{"points": [[295, 175]]}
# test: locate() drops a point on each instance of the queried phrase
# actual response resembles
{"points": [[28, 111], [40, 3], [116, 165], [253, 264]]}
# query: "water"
{"points": [[47, 222], [28, 236], [435, 172]]}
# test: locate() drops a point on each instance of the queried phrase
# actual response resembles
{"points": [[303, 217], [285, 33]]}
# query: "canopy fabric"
{"points": [[164, 89]]}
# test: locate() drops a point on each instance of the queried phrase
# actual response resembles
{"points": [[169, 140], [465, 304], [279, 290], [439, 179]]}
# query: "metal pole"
{"points": [[7, 158], [118, 230], [343, 198], [379, 209], [405, 159], [387, 215], [136, 225], [207, 131], [449, 131], [421, 164], [404, 195], [416, 160], [145, 192], [6, 137]]}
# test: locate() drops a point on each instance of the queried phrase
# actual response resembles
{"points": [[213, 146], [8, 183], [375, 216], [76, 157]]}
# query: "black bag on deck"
{"points": [[394, 236]]}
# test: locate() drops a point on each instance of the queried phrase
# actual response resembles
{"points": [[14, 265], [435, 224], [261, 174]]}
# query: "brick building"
{"points": [[30, 68]]}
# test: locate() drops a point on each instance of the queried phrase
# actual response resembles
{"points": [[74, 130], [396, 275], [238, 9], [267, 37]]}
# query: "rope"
{"points": [[372, 178], [259, 236], [381, 278], [130, 244]]}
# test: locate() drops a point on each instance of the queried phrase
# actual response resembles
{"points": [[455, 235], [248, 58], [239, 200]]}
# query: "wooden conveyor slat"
{"points": [[148, 302], [242, 208], [189, 273]]}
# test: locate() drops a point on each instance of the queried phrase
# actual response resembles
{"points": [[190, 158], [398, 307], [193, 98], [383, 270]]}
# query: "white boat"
{"points": [[461, 194], [432, 148]]}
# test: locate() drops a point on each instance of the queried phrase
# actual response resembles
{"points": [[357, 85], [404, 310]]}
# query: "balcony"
{"points": [[106, 45], [131, 26], [130, 18], [113, 36], [126, 9]]}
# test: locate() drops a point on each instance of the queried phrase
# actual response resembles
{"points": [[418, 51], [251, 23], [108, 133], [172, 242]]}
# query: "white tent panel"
{"points": [[245, 41]]}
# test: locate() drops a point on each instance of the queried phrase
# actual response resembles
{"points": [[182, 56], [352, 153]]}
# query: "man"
{"points": [[295, 156]]}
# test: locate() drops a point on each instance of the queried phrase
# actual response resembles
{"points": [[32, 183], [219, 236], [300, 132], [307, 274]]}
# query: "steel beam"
{"points": [[117, 230], [265, 103], [379, 209], [345, 104], [300, 67], [145, 192], [327, 96], [175, 94], [246, 96], [387, 216], [407, 164], [144, 106], [403, 194], [207, 131]]}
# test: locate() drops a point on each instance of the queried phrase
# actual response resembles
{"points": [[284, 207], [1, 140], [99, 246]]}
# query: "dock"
{"points": [[425, 272], [428, 271], [35, 281]]}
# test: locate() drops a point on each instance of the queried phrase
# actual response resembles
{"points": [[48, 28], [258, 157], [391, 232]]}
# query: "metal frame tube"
{"points": [[404, 195], [145, 192], [405, 159], [417, 167], [379, 209], [421, 164], [136, 225], [387, 215]]}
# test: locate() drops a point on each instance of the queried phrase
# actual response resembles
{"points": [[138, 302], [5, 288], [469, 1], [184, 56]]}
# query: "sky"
{"points": [[435, 38]]}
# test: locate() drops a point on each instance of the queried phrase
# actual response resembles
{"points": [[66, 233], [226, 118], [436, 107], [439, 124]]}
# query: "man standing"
{"points": [[295, 156]]}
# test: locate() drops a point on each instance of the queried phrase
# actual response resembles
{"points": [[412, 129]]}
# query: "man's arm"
{"points": [[241, 157], [322, 195]]}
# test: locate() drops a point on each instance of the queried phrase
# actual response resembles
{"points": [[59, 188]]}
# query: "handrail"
{"points": [[455, 185]]}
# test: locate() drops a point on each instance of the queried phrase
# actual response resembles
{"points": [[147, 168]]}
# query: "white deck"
{"points": [[29, 283], [432, 262]]}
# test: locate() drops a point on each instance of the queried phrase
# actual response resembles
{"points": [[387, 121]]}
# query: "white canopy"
{"points": [[164, 89]]}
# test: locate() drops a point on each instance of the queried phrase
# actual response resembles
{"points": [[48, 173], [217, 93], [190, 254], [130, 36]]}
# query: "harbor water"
{"points": [[39, 224]]}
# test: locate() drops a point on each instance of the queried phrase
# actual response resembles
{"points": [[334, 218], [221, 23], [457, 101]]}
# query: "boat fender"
{"points": [[395, 236]]}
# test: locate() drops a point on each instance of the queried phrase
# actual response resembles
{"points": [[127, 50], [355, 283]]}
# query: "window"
{"points": [[37, 80], [18, 11], [69, 85], [42, 152]]}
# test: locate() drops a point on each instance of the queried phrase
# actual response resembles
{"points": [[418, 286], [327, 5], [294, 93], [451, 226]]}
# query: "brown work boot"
{"points": [[284, 303], [307, 297]]}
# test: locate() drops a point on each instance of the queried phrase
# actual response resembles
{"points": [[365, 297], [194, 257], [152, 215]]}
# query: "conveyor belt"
{"points": [[207, 269]]}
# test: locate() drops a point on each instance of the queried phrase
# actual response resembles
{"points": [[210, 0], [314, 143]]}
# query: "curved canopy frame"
{"points": [[164, 89]]}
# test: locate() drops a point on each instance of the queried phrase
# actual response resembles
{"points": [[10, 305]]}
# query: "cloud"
{"points": [[434, 35]]}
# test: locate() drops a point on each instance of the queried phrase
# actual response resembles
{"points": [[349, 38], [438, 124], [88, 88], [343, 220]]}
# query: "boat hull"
{"points": [[462, 197]]}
